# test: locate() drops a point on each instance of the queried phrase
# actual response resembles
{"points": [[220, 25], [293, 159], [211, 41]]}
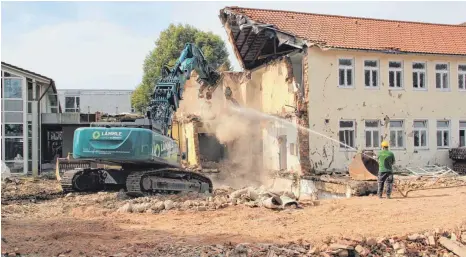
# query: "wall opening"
{"points": [[210, 149], [283, 153]]}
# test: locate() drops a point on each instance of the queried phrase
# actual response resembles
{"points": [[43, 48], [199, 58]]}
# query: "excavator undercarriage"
{"points": [[135, 183]]}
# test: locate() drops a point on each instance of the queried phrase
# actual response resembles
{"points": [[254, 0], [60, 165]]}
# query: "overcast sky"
{"points": [[102, 45]]}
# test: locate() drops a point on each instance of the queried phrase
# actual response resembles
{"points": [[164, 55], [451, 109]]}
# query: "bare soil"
{"points": [[87, 225]]}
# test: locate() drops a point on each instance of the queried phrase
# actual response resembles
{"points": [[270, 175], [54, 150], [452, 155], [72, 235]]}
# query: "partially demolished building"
{"points": [[356, 80]]}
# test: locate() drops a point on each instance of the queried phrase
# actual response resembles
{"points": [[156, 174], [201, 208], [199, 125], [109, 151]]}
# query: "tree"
{"points": [[167, 50]]}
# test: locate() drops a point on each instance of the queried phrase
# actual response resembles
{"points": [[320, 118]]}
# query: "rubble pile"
{"points": [[221, 198], [434, 243], [27, 188]]}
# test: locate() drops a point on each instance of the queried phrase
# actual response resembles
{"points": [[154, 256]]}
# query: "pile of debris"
{"points": [[221, 198], [435, 243], [404, 185], [458, 155], [28, 188]]}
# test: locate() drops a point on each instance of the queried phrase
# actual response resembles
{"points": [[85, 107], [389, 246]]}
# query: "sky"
{"points": [[102, 45]]}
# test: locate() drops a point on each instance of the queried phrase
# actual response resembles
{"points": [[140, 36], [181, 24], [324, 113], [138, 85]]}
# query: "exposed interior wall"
{"points": [[328, 104], [280, 146], [252, 145], [190, 141]]}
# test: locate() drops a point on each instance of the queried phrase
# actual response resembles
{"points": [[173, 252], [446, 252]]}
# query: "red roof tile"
{"points": [[364, 33]]}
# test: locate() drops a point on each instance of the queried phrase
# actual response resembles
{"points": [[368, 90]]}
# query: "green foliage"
{"points": [[167, 49]]}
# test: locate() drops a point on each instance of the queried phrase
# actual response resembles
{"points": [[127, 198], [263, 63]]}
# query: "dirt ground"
{"points": [[88, 225]]}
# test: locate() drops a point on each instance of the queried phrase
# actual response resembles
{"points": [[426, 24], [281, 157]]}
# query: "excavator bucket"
{"points": [[363, 167]]}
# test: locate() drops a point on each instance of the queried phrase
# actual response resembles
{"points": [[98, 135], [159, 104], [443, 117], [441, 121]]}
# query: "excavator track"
{"points": [[81, 180], [67, 180], [166, 180]]}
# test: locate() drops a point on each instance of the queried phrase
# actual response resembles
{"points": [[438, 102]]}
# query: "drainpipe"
{"points": [[36, 119]]}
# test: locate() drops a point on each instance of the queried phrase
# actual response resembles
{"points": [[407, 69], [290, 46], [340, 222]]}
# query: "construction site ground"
{"points": [[38, 219]]}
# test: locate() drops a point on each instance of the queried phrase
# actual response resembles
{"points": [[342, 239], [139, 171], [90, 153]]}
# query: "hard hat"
{"points": [[385, 144]]}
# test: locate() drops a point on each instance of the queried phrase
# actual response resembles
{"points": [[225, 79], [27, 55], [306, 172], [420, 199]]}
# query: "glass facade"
{"points": [[13, 127]]}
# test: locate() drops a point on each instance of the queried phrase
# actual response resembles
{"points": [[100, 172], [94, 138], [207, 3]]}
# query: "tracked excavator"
{"points": [[148, 159]]}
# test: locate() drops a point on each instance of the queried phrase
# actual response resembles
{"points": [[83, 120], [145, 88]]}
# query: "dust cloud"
{"points": [[242, 165]]}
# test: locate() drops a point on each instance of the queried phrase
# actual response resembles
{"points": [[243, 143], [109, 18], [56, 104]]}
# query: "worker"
{"points": [[386, 160]]}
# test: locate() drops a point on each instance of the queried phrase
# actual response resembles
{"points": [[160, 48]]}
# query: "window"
{"points": [[13, 130], [462, 133], [396, 134], [419, 75], [12, 88], [12, 127], [30, 145], [346, 135], [395, 74], [372, 134], [14, 149], [420, 134], [441, 75], [72, 104], [443, 134], [52, 103], [29, 95], [345, 72], [371, 72], [462, 77]]}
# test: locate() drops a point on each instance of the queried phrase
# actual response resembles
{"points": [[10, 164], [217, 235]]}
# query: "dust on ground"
{"points": [[89, 224]]}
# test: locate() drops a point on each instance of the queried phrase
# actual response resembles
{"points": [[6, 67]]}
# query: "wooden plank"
{"points": [[454, 246]]}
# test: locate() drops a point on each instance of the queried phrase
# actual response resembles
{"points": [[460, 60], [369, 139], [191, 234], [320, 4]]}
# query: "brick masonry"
{"points": [[303, 120]]}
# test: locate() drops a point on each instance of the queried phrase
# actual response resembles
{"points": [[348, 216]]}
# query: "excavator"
{"points": [[142, 160]]}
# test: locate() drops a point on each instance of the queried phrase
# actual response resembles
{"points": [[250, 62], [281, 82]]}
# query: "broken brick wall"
{"points": [[302, 119], [329, 104], [255, 148]]}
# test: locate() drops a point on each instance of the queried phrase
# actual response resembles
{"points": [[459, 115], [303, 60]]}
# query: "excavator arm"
{"points": [[168, 90]]}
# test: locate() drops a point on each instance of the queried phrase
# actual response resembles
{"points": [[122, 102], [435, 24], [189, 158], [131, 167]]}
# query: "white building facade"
{"points": [[25, 96], [361, 81], [95, 100]]}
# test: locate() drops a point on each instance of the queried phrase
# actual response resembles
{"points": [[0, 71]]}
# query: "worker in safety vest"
{"points": [[386, 160]]}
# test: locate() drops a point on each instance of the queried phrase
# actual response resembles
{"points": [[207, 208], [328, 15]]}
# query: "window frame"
{"points": [[75, 108], [346, 68], [23, 114], [443, 147], [426, 129], [418, 71], [342, 147], [442, 72], [402, 129], [371, 129], [377, 69], [402, 87], [464, 77], [459, 132], [21, 79], [50, 108]]}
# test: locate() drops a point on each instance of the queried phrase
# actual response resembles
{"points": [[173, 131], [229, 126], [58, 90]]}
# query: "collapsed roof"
{"points": [[259, 33]]}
